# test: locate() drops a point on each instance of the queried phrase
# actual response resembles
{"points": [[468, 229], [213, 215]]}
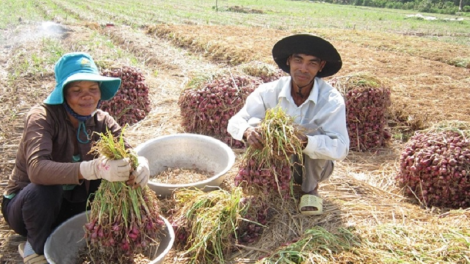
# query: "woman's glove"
{"points": [[142, 172], [104, 168]]}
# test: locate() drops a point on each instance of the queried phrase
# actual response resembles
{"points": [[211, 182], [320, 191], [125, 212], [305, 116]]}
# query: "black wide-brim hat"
{"points": [[310, 45]]}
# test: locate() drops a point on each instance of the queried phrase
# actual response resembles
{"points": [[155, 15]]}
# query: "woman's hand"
{"points": [[141, 174], [104, 168]]}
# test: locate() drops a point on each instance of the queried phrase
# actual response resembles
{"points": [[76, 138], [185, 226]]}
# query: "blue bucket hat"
{"points": [[79, 66]]}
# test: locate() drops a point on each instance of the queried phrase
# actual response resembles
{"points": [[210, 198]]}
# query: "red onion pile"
{"points": [[367, 105], [206, 109], [131, 102], [434, 168]]}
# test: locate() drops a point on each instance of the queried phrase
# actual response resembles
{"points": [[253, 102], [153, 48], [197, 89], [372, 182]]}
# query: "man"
{"points": [[314, 104]]}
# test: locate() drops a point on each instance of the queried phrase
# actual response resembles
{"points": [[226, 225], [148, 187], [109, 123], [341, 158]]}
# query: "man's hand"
{"points": [[253, 138], [303, 139], [104, 168]]}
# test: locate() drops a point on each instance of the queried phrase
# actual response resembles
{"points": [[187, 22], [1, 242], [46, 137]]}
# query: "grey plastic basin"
{"points": [[185, 151], [63, 245]]}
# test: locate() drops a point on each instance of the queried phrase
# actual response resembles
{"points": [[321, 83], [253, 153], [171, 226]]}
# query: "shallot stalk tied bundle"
{"points": [[208, 222], [266, 173], [123, 220], [269, 168]]}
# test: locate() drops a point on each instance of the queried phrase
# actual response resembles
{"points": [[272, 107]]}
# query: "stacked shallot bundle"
{"points": [[266, 174], [435, 166], [367, 103], [131, 102], [206, 107], [269, 169]]}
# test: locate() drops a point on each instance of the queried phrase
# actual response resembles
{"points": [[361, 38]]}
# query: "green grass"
{"points": [[11, 11]]}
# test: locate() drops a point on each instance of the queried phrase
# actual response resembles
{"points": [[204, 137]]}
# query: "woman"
{"points": [[54, 173]]}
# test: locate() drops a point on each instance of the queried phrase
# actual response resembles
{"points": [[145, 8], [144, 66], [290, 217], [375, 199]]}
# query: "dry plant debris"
{"points": [[206, 222], [267, 72], [181, 176], [316, 245]]}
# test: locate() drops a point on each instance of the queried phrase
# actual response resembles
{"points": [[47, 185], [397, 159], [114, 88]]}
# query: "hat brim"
{"points": [[108, 87], [310, 45]]}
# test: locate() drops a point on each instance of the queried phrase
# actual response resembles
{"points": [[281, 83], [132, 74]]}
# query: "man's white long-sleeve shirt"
{"points": [[323, 115]]}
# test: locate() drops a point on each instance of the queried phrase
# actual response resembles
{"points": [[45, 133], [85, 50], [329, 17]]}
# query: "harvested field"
{"points": [[429, 80]]}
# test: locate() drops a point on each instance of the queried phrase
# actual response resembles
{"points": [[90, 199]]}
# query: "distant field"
{"points": [[275, 14]]}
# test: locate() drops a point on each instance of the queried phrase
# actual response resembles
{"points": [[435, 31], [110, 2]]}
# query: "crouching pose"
{"points": [[54, 173], [314, 104]]}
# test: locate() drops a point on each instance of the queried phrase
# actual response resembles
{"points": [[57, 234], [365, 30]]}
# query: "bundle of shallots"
{"points": [[266, 174], [123, 220], [269, 168]]}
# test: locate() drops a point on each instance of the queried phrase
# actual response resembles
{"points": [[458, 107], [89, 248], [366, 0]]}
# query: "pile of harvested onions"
{"points": [[131, 102], [435, 165], [209, 102], [367, 102]]}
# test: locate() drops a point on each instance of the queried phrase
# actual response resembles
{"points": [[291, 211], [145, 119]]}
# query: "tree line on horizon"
{"points": [[451, 7]]}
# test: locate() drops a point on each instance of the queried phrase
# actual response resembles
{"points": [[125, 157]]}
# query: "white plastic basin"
{"points": [[187, 151]]}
